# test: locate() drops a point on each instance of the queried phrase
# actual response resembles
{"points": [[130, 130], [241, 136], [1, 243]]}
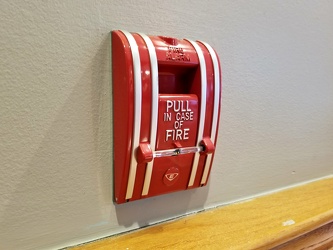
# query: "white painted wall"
{"points": [[55, 109]]}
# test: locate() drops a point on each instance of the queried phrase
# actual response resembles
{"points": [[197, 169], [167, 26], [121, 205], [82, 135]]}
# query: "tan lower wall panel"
{"points": [[261, 223]]}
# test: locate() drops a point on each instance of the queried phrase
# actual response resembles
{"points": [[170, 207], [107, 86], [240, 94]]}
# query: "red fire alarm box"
{"points": [[166, 106]]}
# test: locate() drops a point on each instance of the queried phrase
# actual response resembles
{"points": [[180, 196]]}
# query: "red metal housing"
{"points": [[166, 106]]}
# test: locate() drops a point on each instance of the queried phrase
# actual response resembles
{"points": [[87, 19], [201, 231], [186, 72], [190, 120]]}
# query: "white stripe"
{"points": [[215, 109], [137, 111], [154, 109], [202, 108]]}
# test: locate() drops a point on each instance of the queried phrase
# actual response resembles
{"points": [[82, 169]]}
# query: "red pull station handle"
{"points": [[144, 153], [208, 146], [166, 106]]}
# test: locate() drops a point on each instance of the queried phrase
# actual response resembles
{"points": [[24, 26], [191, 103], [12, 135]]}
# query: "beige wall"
{"points": [[276, 124]]}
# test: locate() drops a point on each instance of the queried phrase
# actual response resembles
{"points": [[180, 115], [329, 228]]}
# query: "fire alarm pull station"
{"points": [[166, 102]]}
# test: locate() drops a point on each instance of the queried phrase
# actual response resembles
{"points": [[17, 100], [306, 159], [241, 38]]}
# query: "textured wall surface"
{"points": [[276, 124]]}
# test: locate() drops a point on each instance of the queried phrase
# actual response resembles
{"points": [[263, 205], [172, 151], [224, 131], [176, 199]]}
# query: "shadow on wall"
{"points": [[155, 209]]}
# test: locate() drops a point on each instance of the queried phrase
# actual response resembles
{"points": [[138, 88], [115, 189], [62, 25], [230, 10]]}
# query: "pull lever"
{"points": [[145, 154], [177, 151]]}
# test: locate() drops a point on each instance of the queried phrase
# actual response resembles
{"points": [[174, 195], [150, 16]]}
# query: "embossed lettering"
{"points": [[176, 54]]}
